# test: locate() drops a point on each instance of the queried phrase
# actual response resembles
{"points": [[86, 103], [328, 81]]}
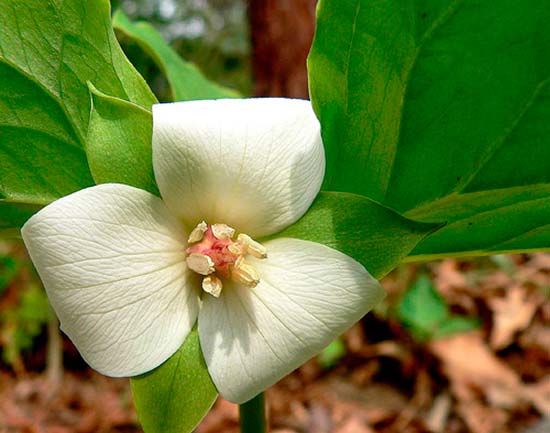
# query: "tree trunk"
{"points": [[281, 31]]}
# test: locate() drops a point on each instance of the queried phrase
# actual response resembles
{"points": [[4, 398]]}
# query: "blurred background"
{"points": [[258, 47], [457, 346]]}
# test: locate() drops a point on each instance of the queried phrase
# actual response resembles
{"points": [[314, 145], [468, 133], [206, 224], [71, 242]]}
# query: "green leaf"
{"points": [[440, 110], [8, 271], [427, 315], [185, 79], [41, 157], [372, 234], [62, 44], [174, 397], [118, 143], [331, 355], [456, 325], [489, 222], [49, 50], [422, 309], [22, 324], [14, 215]]}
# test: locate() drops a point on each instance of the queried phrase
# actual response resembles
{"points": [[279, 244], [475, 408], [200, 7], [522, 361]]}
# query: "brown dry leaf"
{"points": [[224, 417], [310, 370], [492, 281], [320, 420], [388, 348], [90, 405], [536, 270], [354, 424], [473, 370], [472, 366], [511, 314], [284, 431], [355, 338], [439, 413], [363, 375], [454, 287], [537, 335], [449, 276], [374, 403], [539, 394], [421, 398], [540, 261], [481, 419]]}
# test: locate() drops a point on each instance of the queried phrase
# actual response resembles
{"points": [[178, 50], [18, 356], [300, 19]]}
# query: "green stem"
{"points": [[252, 415]]}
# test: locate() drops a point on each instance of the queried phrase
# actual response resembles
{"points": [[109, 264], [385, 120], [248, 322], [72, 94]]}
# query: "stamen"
{"points": [[198, 233], [236, 249], [213, 285], [245, 273], [200, 263], [222, 231], [254, 248], [212, 252]]}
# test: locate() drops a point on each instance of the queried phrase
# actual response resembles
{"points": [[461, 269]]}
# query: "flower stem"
{"points": [[252, 414]]}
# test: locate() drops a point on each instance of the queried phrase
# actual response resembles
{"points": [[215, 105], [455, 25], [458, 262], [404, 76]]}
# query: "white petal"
{"points": [[254, 164], [112, 260], [308, 294]]}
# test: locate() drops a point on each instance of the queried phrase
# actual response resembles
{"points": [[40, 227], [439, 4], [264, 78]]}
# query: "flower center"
{"points": [[212, 252]]}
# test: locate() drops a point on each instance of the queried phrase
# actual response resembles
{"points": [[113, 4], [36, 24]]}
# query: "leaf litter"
{"points": [[383, 378]]}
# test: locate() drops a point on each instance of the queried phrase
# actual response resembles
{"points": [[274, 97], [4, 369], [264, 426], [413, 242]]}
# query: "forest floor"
{"points": [[395, 371]]}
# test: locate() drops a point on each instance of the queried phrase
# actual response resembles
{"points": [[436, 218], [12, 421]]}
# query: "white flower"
{"points": [[126, 284]]}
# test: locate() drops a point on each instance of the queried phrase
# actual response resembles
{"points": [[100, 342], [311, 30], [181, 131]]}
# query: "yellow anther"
{"points": [[236, 249], [252, 247], [212, 285], [245, 273], [222, 231], [200, 263], [198, 233]]}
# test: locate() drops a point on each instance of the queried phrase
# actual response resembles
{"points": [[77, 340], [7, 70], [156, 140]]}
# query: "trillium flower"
{"points": [[129, 273]]}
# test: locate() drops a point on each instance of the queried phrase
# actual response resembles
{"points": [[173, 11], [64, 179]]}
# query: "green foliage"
{"points": [[25, 308], [13, 216], [454, 324], [440, 111], [372, 234], [8, 270], [118, 144], [49, 50], [19, 326], [174, 397], [426, 314], [185, 79], [192, 29], [330, 356], [41, 157]]}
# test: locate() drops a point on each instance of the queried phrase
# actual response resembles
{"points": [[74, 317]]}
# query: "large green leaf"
{"points": [[40, 155], [118, 143], [487, 222], [174, 397], [185, 79], [439, 109], [49, 49], [372, 234]]}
